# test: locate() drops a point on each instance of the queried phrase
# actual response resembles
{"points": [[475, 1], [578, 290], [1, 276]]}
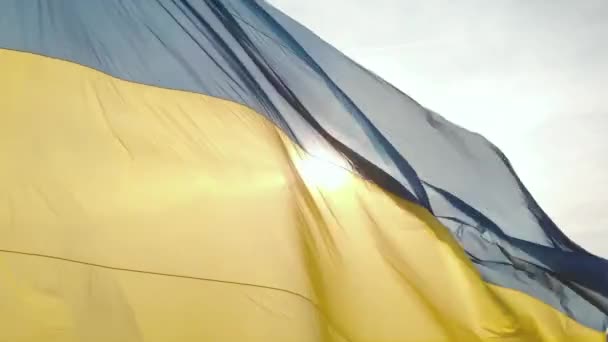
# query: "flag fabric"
{"points": [[210, 170]]}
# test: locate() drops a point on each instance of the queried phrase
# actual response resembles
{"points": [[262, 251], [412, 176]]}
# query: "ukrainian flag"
{"points": [[210, 170]]}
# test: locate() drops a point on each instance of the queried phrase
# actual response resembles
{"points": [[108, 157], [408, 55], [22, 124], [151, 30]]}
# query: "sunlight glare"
{"points": [[323, 173]]}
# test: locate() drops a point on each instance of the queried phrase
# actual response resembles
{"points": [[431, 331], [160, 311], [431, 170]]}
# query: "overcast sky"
{"points": [[530, 75]]}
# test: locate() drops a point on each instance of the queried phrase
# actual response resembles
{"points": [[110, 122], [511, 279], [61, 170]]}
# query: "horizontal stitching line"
{"points": [[160, 274]]}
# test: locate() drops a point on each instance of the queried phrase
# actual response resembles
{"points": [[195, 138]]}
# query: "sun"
{"points": [[323, 172]]}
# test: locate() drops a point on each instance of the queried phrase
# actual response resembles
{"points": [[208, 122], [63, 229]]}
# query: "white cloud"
{"points": [[529, 75]]}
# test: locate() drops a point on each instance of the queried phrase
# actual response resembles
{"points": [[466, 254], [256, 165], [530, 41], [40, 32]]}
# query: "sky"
{"points": [[529, 75]]}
